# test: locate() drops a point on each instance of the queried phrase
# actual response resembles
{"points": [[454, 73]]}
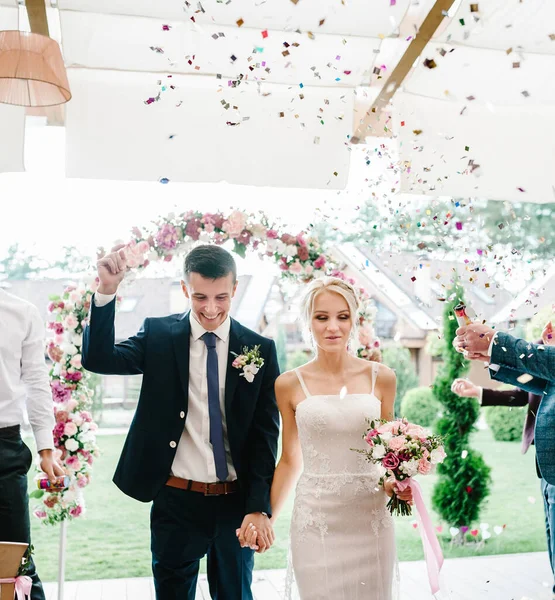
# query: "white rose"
{"points": [[72, 445], [386, 436], [378, 451], [152, 256], [76, 339], [259, 231], [75, 296], [291, 250], [69, 349], [280, 247], [410, 467], [77, 419], [85, 437], [69, 496], [271, 245], [86, 426], [249, 376], [57, 369]]}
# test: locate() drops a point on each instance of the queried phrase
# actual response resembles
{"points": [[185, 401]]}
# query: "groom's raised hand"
{"points": [[111, 270], [256, 532]]}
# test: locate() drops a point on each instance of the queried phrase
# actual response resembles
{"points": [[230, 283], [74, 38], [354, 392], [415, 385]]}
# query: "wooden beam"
{"points": [[36, 11], [432, 21]]}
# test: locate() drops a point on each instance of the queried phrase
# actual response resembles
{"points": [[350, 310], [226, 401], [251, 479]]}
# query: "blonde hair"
{"points": [[337, 286]]}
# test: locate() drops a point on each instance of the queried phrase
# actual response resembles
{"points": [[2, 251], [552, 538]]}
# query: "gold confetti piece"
{"points": [[417, 131], [310, 35], [240, 22], [474, 7], [430, 63], [552, 37], [322, 21], [285, 53], [516, 65], [282, 114]]}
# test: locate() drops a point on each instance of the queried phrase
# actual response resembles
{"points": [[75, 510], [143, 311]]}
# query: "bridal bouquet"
{"points": [[403, 449]]}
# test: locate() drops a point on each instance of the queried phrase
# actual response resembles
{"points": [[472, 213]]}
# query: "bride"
{"points": [[342, 538]]}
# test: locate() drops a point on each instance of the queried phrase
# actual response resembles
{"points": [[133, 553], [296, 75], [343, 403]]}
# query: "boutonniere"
{"points": [[250, 362]]}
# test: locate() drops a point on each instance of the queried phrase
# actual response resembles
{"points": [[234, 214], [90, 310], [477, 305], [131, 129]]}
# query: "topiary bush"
{"points": [[505, 422], [398, 358], [464, 477], [420, 406]]}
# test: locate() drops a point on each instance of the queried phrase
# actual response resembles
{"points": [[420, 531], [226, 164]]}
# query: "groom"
{"points": [[203, 441]]}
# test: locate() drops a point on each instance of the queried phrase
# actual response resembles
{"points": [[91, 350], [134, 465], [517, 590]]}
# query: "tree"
{"points": [[464, 477], [17, 264], [398, 358], [73, 261]]}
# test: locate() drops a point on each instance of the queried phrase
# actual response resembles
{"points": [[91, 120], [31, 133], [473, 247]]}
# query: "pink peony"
{"points": [[167, 237], [75, 376], [320, 262], [75, 511], [73, 463], [86, 416], [60, 393], [415, 431], [390, 461], [194, 228], [70, 429], [82, 480], [389, 427], [424, 466], [272, 234], [59, 428], [235, 224], [397, 443]]}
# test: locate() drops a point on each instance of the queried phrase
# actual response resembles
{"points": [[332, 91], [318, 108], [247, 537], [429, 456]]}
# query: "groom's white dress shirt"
{"points": [[23, 371], [194, 457]]}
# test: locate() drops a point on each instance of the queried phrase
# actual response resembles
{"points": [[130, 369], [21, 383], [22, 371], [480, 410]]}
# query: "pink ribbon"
{"points": [[432, 549], [23, 585]]}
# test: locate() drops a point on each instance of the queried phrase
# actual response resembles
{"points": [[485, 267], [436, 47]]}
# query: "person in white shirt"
{"points": [[23, 383], [202, 445]]}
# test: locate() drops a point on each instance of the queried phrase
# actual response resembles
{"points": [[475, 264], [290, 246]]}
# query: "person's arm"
{"points": [[291, 461], [515, 397], [100, 353], [519, 379], [34, 374], [524, 357], [387, 388], [40, 406]]}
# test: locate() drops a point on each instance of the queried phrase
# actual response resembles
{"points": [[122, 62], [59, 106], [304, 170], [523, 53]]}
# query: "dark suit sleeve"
{"points": [[263, 440], [524, 357], [510, 376], [100, 353], [516, 397]]}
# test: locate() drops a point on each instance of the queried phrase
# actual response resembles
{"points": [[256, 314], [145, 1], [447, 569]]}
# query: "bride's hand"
{"points": [[390, 486]]}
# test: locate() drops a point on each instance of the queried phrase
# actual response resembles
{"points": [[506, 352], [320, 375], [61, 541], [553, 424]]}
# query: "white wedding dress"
{"points": [[342, 535]]}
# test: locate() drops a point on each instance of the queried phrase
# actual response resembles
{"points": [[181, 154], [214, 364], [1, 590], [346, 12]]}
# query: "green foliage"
{"points": [[434, 344], [281, 348], [538, 321], [464, 477], [419, 405], [17, 264], [505, 422], [398, 358], [297, 359]]}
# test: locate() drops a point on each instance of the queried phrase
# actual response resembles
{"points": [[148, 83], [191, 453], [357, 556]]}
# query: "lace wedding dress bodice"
{"points": [[342, 543]]}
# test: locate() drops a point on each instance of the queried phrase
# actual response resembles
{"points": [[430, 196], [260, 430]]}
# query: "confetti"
{"points": [[322, 21], [164, 180], [464, 454], [474, 8], [166, 27], [265, 34], [430, 63], [240, 22]]}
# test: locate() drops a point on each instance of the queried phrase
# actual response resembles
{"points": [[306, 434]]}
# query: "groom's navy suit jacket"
{"points": [[515, 358], [160, 352]]}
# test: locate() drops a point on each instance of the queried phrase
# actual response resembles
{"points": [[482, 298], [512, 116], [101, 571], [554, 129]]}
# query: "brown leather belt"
{"points": [[208, 489]]}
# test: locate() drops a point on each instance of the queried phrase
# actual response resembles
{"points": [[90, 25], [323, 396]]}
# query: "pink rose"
{"points": [[82, 481], [364, 336], [320, 262], [70, 429], [371, 434], [397, 443], [300, 240], [390, 461], [424, 466], [272, 234], [59, 429], [72, 404], [389, 427], [415, 431], [296, 268], [86, 416], [60, 393], [55, 352], [40, 514], [302, 253], [76, 361], [309, 269], [75, 511], [62, 416], [51, 501]]}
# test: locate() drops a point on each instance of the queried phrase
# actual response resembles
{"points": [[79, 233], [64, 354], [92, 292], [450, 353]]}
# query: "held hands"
{"points": [[50, 465], [111, 270], [548, 337], [473, 341], [390, 486], [256, 533], [465, 388]]}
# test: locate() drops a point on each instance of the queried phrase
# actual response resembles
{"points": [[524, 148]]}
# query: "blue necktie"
{"points": [[216, 427]]}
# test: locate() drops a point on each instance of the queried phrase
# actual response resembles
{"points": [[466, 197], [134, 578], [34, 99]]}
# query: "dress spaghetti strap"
{"points": [[303, 384], [375, 367]]}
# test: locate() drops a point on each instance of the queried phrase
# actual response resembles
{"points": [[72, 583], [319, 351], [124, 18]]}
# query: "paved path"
{"points": [[503, 577]]}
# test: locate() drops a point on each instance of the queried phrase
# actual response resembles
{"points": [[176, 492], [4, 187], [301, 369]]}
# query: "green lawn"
{"points": [[112, 540]]}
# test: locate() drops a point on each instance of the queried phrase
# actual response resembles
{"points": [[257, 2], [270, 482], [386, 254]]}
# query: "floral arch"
{"points": [[299, 257]]}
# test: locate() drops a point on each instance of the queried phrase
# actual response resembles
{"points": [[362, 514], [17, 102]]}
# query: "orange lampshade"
{"points": [[32, 71]]}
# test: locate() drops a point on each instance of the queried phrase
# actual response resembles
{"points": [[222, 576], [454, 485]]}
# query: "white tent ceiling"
{"points": [[269, 93], [12, 118]]}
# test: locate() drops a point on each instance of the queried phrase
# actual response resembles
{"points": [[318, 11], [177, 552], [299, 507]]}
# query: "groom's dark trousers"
{"points": [[185, 526]]}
